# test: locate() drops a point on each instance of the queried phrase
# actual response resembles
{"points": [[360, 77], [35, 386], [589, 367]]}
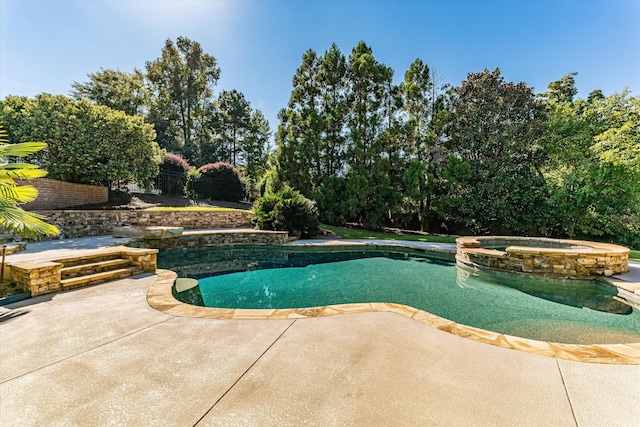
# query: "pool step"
{"points": [[92, 267], [91, 279]]}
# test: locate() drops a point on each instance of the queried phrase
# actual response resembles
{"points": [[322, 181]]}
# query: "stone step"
{"points": [[93, 267], [88, 258], [76, 282]]}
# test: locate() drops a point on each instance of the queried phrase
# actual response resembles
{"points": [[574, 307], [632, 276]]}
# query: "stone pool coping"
{"points": [[160, 297]]}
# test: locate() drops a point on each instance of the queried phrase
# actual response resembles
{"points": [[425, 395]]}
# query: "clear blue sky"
{"points": [[46, 45]]}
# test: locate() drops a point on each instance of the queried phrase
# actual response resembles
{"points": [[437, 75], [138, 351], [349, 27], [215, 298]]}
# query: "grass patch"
{"points": [[353, 233], [193, 208], [634, 255]]}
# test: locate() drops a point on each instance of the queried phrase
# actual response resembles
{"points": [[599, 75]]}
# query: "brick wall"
{"points": [[53, 194]]}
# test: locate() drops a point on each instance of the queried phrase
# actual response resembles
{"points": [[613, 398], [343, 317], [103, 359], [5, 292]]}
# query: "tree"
{"points": [[87, 143], [234, 123], [332, 78], [371, 190], [593, 172], [12, 218], [419, 177], [495, 127], [256, 147], [563, 90], [182, 79], [115, 89], [300, 130]]}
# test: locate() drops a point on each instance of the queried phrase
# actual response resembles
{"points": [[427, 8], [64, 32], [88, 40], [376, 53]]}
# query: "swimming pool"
{"points": [[259, 277]]}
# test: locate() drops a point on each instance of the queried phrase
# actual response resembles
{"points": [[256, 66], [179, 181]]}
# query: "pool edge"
{"points": [[160, 297]]}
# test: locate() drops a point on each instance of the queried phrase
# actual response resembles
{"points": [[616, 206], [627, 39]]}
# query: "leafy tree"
{"points": [[12, 218], [182, 79], [87, 143], [495, 126], [563, 90], [115, 89], [593, 174]]}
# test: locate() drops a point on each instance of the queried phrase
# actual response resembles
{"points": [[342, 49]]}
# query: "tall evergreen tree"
{"points": [[300, 130], [183, 79], [334, 110], [234, 123]]}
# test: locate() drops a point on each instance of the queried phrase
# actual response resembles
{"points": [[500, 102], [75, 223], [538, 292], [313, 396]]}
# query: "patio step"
{"points": [[68, 272], [90, 279], [87, 259]]}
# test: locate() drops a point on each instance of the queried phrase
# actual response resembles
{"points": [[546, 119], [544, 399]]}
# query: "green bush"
{"points": [[286, 210], [219, 181], [86, 143], [174, 173]]}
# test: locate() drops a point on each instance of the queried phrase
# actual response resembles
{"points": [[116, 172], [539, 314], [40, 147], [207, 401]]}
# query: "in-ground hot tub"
{"points": [[554, 258]]}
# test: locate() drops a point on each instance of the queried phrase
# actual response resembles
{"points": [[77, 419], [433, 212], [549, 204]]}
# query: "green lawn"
{"points": [[351, 233], [191, 208], [634, 255]]}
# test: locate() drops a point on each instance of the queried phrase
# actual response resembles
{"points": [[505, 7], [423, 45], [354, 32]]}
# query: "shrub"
{"points": [[86, 143], [174, 172], [286, 210], [219, 181]]}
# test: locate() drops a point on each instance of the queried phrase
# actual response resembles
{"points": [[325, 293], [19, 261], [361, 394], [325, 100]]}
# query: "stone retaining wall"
{"points": [[548, 257], [198, 240], [74, 223]]}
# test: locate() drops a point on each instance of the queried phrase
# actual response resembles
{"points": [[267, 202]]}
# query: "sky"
{"points": [[46, 45]]}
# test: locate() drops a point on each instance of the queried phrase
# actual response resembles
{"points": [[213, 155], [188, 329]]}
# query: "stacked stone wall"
{"points": [[555, 258], [44, 277], [37, 277], [200, 240], [73, 223]]}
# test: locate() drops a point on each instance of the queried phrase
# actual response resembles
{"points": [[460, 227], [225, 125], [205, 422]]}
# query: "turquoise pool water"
{"points": [[560, 311]]}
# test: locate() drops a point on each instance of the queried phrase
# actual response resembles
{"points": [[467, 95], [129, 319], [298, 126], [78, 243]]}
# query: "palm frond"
{"points": [[23, 223], [21, 149], [18, 194], [7, 172]]}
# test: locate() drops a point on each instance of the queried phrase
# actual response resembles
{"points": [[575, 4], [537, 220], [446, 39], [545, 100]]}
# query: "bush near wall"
{"points": [[174, 172], [219, 181]]}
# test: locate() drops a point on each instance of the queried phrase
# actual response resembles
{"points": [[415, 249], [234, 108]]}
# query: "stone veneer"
{"points": [[202, 238], [553, 258], [45, 277], [81, 223]]}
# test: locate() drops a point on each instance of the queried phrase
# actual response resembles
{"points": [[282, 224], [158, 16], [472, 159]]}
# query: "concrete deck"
{"points": [[101, 356]]}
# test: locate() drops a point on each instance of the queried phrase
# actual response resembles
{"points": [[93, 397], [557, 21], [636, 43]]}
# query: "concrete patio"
{"points": [[101, 356]]}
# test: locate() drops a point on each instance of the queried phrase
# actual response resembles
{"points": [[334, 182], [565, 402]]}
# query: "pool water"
{"points": [[575, 312]]}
